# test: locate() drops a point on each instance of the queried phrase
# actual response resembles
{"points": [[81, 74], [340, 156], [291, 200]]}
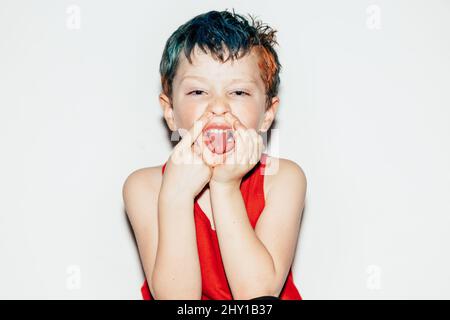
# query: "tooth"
{"points": [[219, 132]]}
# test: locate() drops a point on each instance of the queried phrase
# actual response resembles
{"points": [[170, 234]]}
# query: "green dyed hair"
{"points": [[220, 32]]}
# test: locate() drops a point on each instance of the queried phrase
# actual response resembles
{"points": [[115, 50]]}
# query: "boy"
{"points": [[209, 223]]}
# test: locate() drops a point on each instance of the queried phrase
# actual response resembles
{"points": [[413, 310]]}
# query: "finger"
{"points": [[238, 126], [261, 145], [197, 147], [235, 122], [240, 147], [206, 154], [255, 146], [230, 157], [211, 158], [195, 130], [250, 146], [260, 148]]}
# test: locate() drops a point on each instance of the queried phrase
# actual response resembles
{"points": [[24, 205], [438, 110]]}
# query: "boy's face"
{"points": [[209, 85]]}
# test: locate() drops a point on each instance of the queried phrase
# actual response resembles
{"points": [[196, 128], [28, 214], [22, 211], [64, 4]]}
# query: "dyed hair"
{"points": [[220, 33]]}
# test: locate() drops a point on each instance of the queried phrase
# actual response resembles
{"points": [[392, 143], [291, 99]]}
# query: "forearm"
{"points": [[249, 266], [176, 273]]}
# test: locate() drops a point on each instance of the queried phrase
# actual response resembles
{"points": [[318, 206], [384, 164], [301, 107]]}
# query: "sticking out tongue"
{"points": [[219, 141]]}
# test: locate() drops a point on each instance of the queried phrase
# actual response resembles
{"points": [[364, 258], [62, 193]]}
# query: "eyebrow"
{"points": [[205, 79]]}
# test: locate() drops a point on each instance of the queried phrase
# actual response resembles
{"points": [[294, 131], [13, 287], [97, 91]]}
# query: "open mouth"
{"points": [[219, 138]]}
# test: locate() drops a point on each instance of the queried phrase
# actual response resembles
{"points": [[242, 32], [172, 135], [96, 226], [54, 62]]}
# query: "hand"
{"points": [[230, 167], [186, 174]]}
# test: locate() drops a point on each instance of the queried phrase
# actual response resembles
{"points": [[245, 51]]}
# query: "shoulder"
{"points": [[148, 178], [283, 172], [141, 187], [140, 196]]}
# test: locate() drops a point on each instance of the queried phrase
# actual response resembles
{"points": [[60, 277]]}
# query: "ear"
{"points": [[269, 114], [166, 106]]}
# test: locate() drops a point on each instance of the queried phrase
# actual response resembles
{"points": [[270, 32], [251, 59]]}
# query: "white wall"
{"points": [[365, 112]]}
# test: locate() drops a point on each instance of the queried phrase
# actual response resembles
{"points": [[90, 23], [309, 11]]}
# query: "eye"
{"points": [[241, 93], [196, 92]]}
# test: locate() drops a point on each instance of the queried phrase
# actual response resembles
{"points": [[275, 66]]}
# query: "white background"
{"points": [[365, 112]]}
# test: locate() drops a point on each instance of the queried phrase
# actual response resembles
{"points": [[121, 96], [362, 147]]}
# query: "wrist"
{"points": [[171, 197], [225, 185]]}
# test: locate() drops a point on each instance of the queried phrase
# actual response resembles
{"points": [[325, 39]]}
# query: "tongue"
{"points": [[217, 142]]}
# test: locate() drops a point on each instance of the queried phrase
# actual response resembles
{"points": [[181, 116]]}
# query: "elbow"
{"points": [[258, 287], [251, 292]]}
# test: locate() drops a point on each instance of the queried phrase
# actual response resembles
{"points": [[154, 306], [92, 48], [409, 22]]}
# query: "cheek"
{"points": [[250, 116], [186, 114]]}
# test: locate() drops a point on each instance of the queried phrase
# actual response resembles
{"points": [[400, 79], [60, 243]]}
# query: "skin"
{"points": [[218, 92], [256, 261]]}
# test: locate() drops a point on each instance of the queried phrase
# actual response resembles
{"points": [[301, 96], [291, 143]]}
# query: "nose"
{"points": [[219, 106]]}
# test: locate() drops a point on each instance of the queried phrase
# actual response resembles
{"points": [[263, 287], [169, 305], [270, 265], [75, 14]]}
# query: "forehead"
{"points": [[204, 65]]}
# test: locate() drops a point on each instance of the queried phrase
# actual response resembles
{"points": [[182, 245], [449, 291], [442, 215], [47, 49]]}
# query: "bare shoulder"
{"points": [[283, 172], [283, 210], [149, 176], [140, 188], [140, 195]]}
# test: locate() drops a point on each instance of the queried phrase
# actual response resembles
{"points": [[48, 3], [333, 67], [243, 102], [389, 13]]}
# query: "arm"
{"points": [[177, 272], [141, 194], [258, 260]]}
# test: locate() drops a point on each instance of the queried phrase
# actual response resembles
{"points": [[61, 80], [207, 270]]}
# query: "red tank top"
{"points": [[214, 282]]}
